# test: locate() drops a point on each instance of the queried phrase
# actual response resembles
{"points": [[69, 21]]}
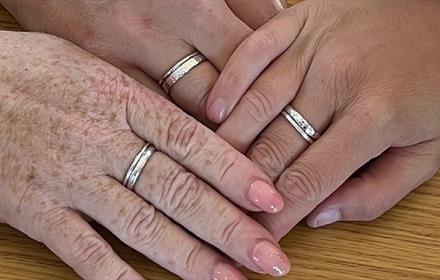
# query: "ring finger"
{"points": [[191, 203], [158, 56], [281, 143]]}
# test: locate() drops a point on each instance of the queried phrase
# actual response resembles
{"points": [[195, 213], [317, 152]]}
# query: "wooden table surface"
{"points": [[403, 244]]}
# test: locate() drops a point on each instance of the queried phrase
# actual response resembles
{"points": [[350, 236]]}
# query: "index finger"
{"points": [[200, 150], [253, 55]]}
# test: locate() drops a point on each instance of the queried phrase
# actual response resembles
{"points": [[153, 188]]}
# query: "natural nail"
{"points": [[265, 197], [271, 259], [327, 217], [217, 111], [227, 272]]}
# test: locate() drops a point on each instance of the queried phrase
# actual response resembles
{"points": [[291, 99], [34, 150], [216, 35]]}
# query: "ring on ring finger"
{"points": [[137, 166], [180, 69], [300, 124]]}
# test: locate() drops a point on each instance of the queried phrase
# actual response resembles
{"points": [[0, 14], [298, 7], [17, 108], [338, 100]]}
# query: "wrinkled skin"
{"points": [[366, 75], [70, 125], [146, 38]]}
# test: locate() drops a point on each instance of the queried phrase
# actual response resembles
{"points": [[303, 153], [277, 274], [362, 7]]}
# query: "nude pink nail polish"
{"points": [[226, 272], [271, 259], [265, 197], [217, 111]]}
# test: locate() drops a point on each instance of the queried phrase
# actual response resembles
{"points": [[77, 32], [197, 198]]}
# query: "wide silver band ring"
{"points": [[138, 164], [180, 69], [300, 124]]}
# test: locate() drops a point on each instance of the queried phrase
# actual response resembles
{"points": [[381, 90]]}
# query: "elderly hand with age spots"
{"points": [[366, 76], [146, 38], [70, 127]]}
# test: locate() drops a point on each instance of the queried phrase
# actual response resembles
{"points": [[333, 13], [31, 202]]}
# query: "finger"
{"points": [[280, 143], [250, 59], [201, 151], [145, 80], [156, 57], [256, 13], [266, 98], [82, 248], [326, 165], [148, 231], [191, 202], [217, 40], [390, 178]]}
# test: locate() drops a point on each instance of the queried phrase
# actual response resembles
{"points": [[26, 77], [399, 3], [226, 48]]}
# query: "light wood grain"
{"points": [[404, 244]]}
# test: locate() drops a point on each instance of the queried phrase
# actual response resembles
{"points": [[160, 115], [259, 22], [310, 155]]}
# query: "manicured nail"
{"points": [[217, 111], [227, 272], [265, 197], [327, 217], [271, 259]]}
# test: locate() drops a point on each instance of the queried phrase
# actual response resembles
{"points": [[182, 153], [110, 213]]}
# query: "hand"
{"points": [[146, 38], [70, 126], [366, 75]]}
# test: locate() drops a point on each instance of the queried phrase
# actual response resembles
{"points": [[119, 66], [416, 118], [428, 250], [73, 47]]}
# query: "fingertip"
{"points": [[325, 217], [271, 259], [217, 111], [265, 196]]}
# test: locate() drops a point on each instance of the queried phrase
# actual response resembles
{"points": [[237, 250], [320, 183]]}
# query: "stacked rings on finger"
{"points": [[300, 124], [180, 69], [138, 164]]}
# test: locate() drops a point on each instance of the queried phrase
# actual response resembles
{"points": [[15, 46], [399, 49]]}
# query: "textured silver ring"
{"points": [[180, 69], [138, 164], [300, 124]]}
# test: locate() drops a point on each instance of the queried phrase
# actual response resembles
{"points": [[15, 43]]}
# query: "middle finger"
{"points": [[193, 204]]}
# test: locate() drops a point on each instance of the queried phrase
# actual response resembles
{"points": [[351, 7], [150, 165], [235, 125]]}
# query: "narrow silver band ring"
{"points": [[300, 124], [180, 69], [138, 164]]}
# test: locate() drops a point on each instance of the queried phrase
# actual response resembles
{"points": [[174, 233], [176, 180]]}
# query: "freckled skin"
{"points": [[53, 118]]}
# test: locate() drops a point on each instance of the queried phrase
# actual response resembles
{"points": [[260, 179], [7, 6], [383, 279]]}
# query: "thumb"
{"points": [[390, 178]]}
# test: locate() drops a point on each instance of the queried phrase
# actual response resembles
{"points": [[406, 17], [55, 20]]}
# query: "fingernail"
{"points": [[327, 217], [270, 259], [265, 197], [226, 272], [217, 111]]}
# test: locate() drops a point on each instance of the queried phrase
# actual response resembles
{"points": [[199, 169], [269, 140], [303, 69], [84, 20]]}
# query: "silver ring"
{"points": [[180, 69], [138, 164], [300, 124]]}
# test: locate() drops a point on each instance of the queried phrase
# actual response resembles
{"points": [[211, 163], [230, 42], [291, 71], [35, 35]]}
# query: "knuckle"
{"points": [[184, 136], [191, 257], [345, 67], [225, 161], [259, 100], [301, 184], [124, 274], [229, 230], [144, 226], [183, 194], [260, 42], [90, 250], [233, 78], [269, 155]]}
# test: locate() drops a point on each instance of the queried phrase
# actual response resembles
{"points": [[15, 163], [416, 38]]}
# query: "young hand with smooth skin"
{"points": [[366, 75]]}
